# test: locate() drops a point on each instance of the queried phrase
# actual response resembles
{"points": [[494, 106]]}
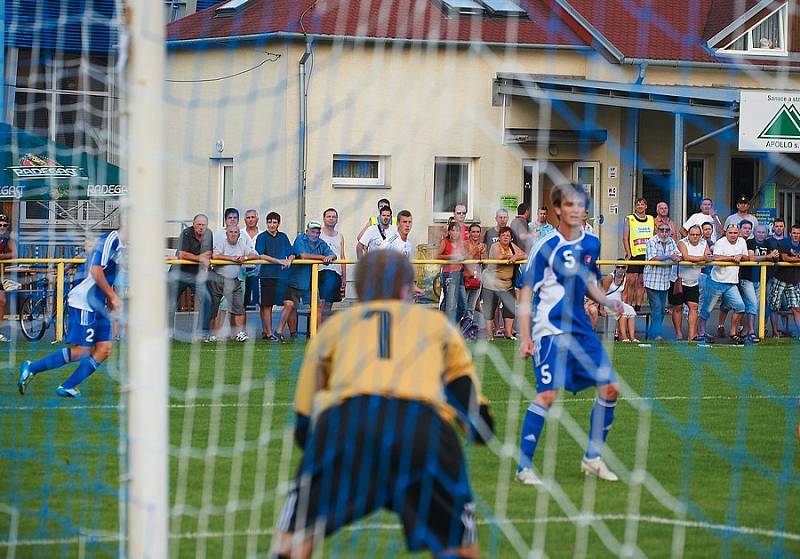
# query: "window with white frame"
{"points": [[68, 98], [767, 37], [359, 171], [174, 10], [222, 168], [453, 179]]}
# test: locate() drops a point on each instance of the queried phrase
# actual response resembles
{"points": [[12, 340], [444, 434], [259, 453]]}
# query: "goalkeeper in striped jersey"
{"points": [[378, 392]]}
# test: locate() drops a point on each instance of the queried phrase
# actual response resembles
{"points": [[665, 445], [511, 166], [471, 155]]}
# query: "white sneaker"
{"points": [[241, 337], [597, 468], [209, 339], [527, 477]]}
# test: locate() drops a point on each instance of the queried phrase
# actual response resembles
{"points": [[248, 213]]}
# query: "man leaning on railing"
{"points": [[194, 244]]}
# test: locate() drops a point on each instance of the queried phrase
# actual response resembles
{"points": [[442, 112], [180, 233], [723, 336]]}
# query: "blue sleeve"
{"points": [[105, 250], [326, 249], [260, 242]]}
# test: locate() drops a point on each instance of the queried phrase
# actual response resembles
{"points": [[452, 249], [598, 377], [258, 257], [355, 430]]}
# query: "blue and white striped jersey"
{"points": [[559, 271], [86, 295]]}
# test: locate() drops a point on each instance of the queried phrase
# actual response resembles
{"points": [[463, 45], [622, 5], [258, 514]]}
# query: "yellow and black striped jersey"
{"points": [[389, 348]]}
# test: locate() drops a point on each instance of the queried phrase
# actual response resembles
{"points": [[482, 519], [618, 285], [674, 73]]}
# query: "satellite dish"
{"points": [[220, 146]]}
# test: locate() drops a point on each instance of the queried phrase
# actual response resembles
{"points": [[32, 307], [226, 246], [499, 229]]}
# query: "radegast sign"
{"points": [[31, 168], [769, 121]]}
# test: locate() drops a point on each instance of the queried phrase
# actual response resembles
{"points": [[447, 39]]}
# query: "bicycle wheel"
{"points": [[33, 318]]}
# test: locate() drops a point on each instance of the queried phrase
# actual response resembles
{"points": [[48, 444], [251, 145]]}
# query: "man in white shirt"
{"points": [[251, 287], [376, 235], [742, 213], [400, 241], [724, 280], [224, 280], [707, 214], [232, 218]]}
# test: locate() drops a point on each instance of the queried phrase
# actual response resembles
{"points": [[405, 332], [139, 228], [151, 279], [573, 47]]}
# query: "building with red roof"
{"points": [[298, 106]]}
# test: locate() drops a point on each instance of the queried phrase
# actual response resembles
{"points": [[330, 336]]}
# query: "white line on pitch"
{"points": [[287, 404], [744, 530]]}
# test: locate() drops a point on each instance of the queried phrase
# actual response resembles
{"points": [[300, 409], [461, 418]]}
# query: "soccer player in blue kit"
{"points": [[89, 320], [566, 352]]}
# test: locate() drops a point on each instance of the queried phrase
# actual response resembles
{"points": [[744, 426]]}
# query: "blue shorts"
{"points": [[86, 328], [330, 285], [571, 361]]}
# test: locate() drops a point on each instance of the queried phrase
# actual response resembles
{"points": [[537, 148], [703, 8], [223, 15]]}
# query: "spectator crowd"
{"points": [[260, 271]]}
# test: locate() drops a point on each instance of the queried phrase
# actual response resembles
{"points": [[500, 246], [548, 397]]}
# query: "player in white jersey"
{"points": [[562, 269]]}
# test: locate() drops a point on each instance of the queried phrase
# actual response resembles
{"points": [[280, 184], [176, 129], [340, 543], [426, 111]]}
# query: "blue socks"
{"points": [[52, 361], [86, 367], [531, 431], [600, 423]]}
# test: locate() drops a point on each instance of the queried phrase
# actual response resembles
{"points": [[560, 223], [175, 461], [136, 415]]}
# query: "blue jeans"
{"points": [[749, 292], [177, 284], [252, 291], [473, 296], [455, 296], [658, 300], [729, 292]]}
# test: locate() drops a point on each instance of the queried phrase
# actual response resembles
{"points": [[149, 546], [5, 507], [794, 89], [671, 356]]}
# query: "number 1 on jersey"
{"points": [[384, 331]]}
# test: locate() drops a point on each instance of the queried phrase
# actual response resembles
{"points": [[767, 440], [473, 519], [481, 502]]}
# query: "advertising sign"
{"points": [[769, 121], [766, 216], [510, 203], [31, 168]]}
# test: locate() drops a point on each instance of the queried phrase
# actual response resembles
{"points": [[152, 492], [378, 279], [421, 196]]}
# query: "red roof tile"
{"points": [[666, 29], [405, 19], [722, 13], [647, 29]]}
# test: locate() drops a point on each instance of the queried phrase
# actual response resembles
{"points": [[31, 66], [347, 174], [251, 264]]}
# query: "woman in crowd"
{"points": [[497, 283], [476, 250], [454, 295], [614, 285], [687, 291]]}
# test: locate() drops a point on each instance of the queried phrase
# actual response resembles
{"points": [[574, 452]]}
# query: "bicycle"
{"points": [[37, 311]]}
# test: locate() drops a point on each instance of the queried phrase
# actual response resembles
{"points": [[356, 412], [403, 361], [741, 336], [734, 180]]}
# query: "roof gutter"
{"points": [[287, 35], [714, 65]]}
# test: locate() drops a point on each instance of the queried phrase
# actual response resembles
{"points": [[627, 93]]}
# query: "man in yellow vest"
{"points": [[638, 228]]}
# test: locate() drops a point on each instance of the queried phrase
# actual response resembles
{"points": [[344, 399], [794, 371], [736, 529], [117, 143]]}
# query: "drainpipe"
{"points": [[700, 140], [635, 181], [301, 166]]}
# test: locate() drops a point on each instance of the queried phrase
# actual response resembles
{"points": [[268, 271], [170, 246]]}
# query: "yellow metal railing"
{"points": [[314, 304]]}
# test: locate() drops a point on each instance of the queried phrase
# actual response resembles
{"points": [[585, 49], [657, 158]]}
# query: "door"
{"points": [[695, 174], [539, 177], [531, 187], [587, 173], [789, 207], [744, 172], [656, 187]]}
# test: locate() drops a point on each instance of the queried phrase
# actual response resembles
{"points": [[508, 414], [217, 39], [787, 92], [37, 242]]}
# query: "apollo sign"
{"points": [[769, 121]]}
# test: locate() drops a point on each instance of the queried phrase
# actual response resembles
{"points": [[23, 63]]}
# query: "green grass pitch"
{"points": [[712, 427]]}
